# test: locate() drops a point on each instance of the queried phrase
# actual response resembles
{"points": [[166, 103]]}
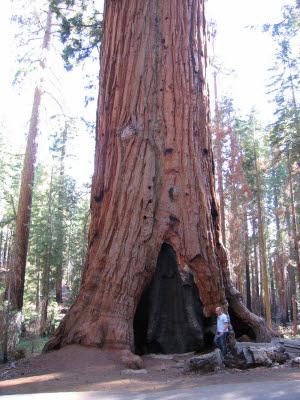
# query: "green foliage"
{"points": [[285, 81], [33, 345], [10, 173], [59, 223], [80, 29]]}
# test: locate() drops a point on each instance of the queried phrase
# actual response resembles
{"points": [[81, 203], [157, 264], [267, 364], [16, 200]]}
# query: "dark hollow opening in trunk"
{"points": [[240, 328], [169, 317]]}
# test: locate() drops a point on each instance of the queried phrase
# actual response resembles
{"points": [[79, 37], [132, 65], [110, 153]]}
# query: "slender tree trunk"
{"points": [[69, 275], [295, 326], [294, 225], [46, 270], [5, 250], [27, 180], [280, 261], [6, 311], [247, 262], [293, 308], [154, 217], [253, 290], [273, 305], [263, 248], [257, 291], [290, 267], [59, 266], [37, 301], [1, 250]]}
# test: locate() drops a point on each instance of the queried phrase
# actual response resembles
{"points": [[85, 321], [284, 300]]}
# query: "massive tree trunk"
{"points": [[155, 225], [19, 256]]}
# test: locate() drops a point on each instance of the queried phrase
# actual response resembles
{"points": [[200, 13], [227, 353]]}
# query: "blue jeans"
{"points": [[220, 342]]}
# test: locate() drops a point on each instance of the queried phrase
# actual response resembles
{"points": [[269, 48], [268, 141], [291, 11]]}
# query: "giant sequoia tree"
{"points": [[155, 267]]}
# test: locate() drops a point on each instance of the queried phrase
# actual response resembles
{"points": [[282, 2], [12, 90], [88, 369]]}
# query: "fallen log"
{"points": [[292, 346], [205, 363], [250, 355]]}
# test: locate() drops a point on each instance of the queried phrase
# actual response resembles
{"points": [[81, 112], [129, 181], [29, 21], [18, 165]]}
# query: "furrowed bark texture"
{"points": [[153, 190]]}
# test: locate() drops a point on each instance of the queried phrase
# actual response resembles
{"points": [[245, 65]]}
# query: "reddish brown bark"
{"points": [[219, 160], [19, 256], [153, 185], [247, 260], [280, 272]]}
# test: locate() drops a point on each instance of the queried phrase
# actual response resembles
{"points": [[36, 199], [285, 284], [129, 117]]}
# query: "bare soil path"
{"points": [[80, 369]]}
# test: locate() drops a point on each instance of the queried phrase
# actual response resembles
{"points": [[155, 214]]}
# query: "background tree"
{"points": [[80, 29], [283, 91], [18, 262]]}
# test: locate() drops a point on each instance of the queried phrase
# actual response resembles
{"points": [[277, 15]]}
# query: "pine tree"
{"points": [[80, 29], [19, 256]]}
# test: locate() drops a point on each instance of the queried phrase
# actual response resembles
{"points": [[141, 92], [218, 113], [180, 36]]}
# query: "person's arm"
{"points": [[225, 329]]}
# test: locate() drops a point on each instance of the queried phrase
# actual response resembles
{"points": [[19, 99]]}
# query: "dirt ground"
{"points": [[78, 368]]}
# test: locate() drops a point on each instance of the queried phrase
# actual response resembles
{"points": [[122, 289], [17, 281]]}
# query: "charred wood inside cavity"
{"points": [[240, 328], [214, 211], [169, 317]]}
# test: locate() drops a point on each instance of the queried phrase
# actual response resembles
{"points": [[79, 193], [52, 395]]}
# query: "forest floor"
{"points": [[77, 368]]}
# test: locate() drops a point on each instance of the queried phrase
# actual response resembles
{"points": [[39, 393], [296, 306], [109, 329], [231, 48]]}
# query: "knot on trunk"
{"points": [[127, 132]]}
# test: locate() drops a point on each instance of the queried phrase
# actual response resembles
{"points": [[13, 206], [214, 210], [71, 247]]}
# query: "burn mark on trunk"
{"points": [[173, 218], [149, 202], [195, 258], [214, 211], [171, 194], [173, 223], [99, 198], [168, 151]]}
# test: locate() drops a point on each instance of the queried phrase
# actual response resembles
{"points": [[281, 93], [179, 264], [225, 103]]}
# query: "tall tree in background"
{"points": [[16, 278], [252, 167], [261, 224], [285, 134], [154, 211], [59, 147]]}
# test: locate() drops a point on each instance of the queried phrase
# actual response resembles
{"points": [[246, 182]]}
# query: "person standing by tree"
{"points": [[222, 331]]}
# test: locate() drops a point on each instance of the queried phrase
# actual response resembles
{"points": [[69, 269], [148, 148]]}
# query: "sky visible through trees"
{"points": [[249, 53]]}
